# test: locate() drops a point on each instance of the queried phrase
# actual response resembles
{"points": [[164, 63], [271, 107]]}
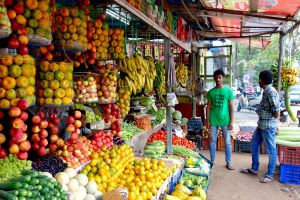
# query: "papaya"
{"points": [[183, 188], [170, 197], [179, 194], [193, 198], [199, 192]]}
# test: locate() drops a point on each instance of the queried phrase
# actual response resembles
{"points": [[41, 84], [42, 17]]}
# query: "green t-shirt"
{"points": [[219, 109]]}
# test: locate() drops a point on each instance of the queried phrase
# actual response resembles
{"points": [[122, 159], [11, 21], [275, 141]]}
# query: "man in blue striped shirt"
{"points": [[268, 113]]}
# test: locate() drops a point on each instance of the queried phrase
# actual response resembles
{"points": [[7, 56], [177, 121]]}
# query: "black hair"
{"points": [[266, 77], [219, 72]]}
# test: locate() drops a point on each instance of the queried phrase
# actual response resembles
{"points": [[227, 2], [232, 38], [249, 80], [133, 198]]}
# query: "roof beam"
{"points": [[253, 6], [209, 34], [217, 12]]}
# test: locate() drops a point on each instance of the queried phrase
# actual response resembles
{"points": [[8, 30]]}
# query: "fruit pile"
{"points": [[101, 139], [85, 89], [107, 165], [3, 152], [56, 163], [36, 17], [290, 75], [72, 28], [46, 52], [107, 83], [98, 40], [4, 21], [123, 101], [182, 74], [112, 114], [18, 142], [116, 47], [55, 83], [17, 77]]}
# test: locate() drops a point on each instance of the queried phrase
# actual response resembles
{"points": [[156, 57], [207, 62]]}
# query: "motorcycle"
{"points": [[283, 112]]}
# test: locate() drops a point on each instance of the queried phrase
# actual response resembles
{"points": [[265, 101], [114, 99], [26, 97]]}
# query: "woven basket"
{"points": [[116, 194]]}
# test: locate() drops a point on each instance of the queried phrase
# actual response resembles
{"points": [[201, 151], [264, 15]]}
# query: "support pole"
{"points": [[194, 81], [280, 59], [169, 90]]}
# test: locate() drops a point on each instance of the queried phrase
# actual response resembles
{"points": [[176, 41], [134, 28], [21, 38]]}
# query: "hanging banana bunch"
{"points": [[182, 74], [290, 75]]}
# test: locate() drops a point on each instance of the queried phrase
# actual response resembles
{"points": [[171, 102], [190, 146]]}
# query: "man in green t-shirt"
{"points": [[220, 114]]}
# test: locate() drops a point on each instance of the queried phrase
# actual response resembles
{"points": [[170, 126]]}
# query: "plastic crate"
{"points": [[242, 146], [247, 128], [174, 180], [263, 149], [221, 145], [289, 155], [290, 174], [205, 142]]}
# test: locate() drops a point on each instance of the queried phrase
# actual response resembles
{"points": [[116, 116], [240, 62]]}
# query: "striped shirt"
{"points": [[268, 105]]}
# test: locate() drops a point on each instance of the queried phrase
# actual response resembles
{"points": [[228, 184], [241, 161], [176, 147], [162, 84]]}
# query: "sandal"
{"points": [[248, 171], [229, 167], [266, 179]]}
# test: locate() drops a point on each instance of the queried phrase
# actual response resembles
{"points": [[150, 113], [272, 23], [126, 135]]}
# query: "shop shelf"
{"points": [[242, 146], [289, 155], [290, 174]]}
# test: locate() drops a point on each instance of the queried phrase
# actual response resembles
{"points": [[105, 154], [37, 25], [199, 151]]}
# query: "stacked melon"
{"points": [[55, 83], [17, 80]]}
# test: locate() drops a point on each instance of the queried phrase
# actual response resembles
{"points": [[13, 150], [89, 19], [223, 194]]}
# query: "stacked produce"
{"points": [[18, 143], [5, 24], [155, 149], [111, 113], [159, 115], [37, 16], [244, 136], [118, 141], [123, 101], [182, 192], [72, 28], [11, 167], [145, 101], [205, 132], [46, 52], [136, 3], [97, 35], [101, 139], [159, 81], [32, 185], [107, 82], [91, 116], [143, 122], [129, 130], [78, 185], [55, 83], [18, 39], [162, 136], [17, 77], [182, 74], [193, 181], [107, 165], [3, 151], [139, 73], [182, 151], [116, 44], [85, 89], [43, 164], [288, 136]]}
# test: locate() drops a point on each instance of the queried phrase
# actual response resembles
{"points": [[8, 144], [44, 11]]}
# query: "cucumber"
{"points": [[24, 186], [149, 152], [23, 179], [22, 198], [34, 181], [7, 196], [30, 172], [39, 187], [22, 193], [29, 194], [13, 192], [10, 186]]}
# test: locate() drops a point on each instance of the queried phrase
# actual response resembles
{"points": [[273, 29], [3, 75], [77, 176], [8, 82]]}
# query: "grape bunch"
{"points": [[50, 163]]}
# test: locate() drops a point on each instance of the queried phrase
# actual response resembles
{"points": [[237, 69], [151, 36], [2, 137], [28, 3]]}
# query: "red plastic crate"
{"points": [[289, 155]]}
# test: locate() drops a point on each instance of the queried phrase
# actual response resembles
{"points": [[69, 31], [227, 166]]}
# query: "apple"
{"points": [[70, 148], [35, 129], [24, 115], [43, 142], [65, 153], [22, 155], [23, 104], [54, 130], [43, 133], [42, 151], [77, 124], [60, 142], [13, 43], [77, 130], [52, 147], [14, 112], [17, 123], [54, 138], [70, 128], [19, 8], [1, 114], [36, 119], [14, 149], [77, 114], [2, 138], [3, 153], [44, 124], [23, 50], [74, 136], [35, 146], [41, 114], [35, 137], [25, 146], [70, 120], [55, 120]]}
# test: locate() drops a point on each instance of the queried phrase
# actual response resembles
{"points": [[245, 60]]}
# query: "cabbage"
{"points": [[177, 115], [184, 121]]}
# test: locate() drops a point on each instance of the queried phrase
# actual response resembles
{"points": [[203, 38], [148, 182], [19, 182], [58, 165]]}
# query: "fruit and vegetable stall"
{"points": [[83, 111]]}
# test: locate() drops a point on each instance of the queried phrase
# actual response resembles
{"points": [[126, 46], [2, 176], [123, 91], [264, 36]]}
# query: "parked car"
{"points": [[295, 95]]}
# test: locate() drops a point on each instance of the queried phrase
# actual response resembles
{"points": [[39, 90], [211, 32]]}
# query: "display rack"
{"points": [[185, 45]]}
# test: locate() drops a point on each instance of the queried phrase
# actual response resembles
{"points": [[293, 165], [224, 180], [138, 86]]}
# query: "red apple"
{"points": [[35, 146], [14, 112], [35, 129], [13, 43], [70, 120], [74, 136], [54, 138], [52, 147], [22, 155], [44, 124], [43, 133], [35, 137], [41, 114], [54, 130], [77, 124], [21, 30], [77, 130], [77, 153], [17, 123], [77, 114], [1, 114], [42, 151], [70, 128], [14, 149], [23, 104], [14, 25], [2, 138], [36, 119], [3, 153], [19, 8], [23, 50], [43, 142], [55, 120], [25, 146], [24, 116], [9, 2], [70, 148]]}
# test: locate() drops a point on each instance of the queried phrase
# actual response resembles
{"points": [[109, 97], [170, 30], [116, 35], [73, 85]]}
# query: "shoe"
{"points": [[229, 167]]}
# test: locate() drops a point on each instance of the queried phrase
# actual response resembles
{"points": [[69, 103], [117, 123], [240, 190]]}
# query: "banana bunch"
{"points": [[182, 74], [290, 75], [140, 73], [159, 81]]}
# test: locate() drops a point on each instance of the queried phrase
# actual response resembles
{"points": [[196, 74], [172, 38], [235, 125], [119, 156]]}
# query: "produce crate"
{"points": [[247, 127], [290, 174], [201, 175], [242, 146], [263, 149], [174, 180], [205, 142], [221, 144], [289, 155]]}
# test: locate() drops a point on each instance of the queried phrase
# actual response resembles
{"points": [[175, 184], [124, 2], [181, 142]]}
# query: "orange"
{"points": [[6, 59], [21, 19], [43, 6], [8, 82]]}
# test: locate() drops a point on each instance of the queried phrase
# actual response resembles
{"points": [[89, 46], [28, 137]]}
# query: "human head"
{"points": [[265, 78], [219, 77]]}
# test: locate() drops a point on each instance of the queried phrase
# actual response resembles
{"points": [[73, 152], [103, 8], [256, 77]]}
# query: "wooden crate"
{"points": [[205, 143], [221, 144]]}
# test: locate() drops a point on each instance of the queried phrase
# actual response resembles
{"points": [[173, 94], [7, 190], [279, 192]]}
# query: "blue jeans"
{"points": [[269, 138], [213, 143]]}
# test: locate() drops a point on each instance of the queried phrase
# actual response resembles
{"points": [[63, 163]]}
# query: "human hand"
{"points": [[230, 126]]}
